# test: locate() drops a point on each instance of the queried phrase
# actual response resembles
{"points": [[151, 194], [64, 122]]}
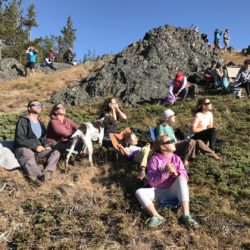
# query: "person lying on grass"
{"points": [[167, 178], [140, 154]]}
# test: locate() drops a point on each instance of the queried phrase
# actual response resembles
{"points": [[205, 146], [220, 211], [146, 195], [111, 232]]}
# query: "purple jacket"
{"points": [[157, 176]]}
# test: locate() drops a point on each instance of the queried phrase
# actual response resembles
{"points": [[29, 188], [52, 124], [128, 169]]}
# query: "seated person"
{"points": [[112, 113], [140, 154], [243, 78], [50, 59], [186, 149], [168, 179], [31, 143], [220, 75], [203, 123], [208, 74], [60, 129], [179, 87], [69, 56]]}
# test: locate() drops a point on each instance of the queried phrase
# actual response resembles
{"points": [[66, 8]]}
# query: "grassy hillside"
{"points": [[95, 208]]}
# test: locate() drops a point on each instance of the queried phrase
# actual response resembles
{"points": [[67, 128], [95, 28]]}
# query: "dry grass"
{"points": [[15, 94], [95, 208], [236, 57]]}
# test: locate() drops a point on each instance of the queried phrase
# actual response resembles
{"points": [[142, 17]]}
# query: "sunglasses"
{"points": [[40, 105], [60, 107], [207, 103], [168, 142]]}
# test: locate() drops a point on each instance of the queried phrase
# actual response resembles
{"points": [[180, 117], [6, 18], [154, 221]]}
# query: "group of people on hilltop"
{"points": [[166, 162], [49, 61], [217, 37], [217, 75]]}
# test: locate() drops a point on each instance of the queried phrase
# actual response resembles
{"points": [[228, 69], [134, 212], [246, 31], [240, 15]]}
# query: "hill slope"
{"points": [[95, 208]]}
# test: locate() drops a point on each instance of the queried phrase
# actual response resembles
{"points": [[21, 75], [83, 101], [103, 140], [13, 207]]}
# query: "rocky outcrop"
{"points": [[140, 72]]}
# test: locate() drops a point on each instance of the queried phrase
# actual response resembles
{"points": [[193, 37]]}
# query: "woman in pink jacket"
{"points": [[60, 128], [168, 181]]}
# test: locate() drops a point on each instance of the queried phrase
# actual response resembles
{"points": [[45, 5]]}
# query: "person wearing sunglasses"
{"points": [[186, 149], [31, 143], [60, 128], [111, 113], [203, 123], [168, 179]]}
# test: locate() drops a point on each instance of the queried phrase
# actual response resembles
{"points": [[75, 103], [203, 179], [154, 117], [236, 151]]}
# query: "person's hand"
{"points": [[111, 106], [40, 149], [47, 147], [171, 170], [115, 105]]}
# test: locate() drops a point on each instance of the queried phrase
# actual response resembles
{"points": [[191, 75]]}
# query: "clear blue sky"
{"points": [[111, 25]]}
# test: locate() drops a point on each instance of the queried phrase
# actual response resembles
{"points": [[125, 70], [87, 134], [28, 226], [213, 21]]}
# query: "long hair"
{"points": [[54, 108], [199, 105], [104, 108]]}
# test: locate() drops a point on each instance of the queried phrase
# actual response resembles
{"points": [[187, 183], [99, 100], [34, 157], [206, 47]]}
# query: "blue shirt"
{"points": [[36, 128], [32, 56], [166, 130]]}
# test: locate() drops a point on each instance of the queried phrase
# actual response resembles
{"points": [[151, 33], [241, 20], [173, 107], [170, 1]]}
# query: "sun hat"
{"points": [[167, 114]]}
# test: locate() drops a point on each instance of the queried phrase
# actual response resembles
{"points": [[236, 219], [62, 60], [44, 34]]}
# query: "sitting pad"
{"points": [[117, 138], [169, 204]]}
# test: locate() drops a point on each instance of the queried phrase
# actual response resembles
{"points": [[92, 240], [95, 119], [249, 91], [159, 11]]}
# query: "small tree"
{"points": [[30, 21], [68, 35]]}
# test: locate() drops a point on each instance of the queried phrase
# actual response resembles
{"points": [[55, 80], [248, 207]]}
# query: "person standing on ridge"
{"points": [[31, 53]]}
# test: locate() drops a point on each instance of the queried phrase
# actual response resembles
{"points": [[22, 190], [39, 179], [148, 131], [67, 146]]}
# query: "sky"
{"points": [[109, 26]]}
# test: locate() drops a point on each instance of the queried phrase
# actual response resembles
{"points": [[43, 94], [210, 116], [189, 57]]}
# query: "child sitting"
{"points": [[140, 154]]}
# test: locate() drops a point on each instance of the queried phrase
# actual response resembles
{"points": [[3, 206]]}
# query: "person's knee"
{"points": [[138, 193], [56, 154]]}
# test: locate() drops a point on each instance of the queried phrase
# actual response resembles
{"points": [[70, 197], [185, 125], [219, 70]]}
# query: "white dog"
{"points": [[87, 132]]}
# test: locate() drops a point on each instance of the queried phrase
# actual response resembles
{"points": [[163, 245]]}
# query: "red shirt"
{"points": [[58, 131]]}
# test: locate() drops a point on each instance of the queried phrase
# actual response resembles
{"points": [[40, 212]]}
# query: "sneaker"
{"points": [[156, 220], [188, 221]]}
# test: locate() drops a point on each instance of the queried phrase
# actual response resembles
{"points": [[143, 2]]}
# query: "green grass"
{"points": [[71, 214]]}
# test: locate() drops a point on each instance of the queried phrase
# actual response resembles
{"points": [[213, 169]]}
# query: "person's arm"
{"points": [[237, 79], [195, 123], [72, 124], [171, 88], [219, 73], [21, 139], [59, 129], [120, 113], [184, 83], [27, 51], [179, 166], [211, 121], [155, 175], [43, 139]]}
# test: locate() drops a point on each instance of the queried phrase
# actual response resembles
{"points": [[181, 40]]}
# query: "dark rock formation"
{"points": [[140, 73]]}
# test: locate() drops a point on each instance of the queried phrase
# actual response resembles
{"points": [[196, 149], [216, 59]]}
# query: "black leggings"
{"points": [[207, 135]]}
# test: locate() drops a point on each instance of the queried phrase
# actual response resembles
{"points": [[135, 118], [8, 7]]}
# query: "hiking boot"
{"points": [[188, 221], [48, 175], [156, 221]]}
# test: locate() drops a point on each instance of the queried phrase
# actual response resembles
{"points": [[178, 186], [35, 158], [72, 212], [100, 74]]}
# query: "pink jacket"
{"points": [[157, 176], [58, 131]]}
